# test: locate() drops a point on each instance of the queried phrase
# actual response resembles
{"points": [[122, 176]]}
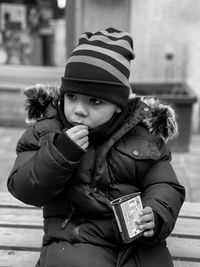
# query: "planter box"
{"points": [[181, 97]]}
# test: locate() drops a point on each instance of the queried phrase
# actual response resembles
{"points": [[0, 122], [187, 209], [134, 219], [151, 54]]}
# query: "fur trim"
{"points": [[38, 98], [161, 122]]}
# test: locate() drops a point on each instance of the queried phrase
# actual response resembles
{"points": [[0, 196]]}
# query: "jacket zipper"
{"points": [[64, 224]]}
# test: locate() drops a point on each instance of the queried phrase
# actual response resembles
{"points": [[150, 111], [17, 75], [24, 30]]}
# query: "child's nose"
{"points": [[81, 109]]}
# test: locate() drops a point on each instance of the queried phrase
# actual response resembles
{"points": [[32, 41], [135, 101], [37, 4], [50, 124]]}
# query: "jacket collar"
{"points": [[158, 118]]}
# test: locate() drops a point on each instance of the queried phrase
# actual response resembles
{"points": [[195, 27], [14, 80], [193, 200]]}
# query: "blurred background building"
{"points": [[32, 31], [36, 37]]}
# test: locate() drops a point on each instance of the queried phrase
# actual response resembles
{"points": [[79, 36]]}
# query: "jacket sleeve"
{"points": [[162, 191], [40, 171]]}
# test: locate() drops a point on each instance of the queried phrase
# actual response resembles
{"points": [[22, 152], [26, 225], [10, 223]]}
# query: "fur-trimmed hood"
{"points": [[161, 122]]}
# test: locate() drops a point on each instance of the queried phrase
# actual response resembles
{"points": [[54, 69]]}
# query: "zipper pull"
{"points": [[64, 224]]}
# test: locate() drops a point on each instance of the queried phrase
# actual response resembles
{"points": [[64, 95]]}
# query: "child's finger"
{"points": [[147, 226], [146, 210], [146, 218], [85, 146], [78, 128], [81, 142], [77, 132], [81, 134], [148, 233]]}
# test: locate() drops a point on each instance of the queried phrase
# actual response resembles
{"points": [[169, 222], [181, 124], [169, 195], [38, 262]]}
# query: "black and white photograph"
{"points": [[99, 133]]}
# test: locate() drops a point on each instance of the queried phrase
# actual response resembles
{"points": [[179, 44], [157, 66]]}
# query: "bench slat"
{"points": [[181, 227], [33, 218], [7, 200], [184, 248], [190, 209], [30, 239], [186, 264], [21, 217], [12, 258], [19, 238]]}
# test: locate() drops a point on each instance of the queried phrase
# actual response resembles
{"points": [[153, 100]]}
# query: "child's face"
{"points": [[88, 110]]}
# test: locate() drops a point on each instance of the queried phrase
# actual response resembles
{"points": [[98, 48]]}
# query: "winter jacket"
{"points": [[79, 225]]}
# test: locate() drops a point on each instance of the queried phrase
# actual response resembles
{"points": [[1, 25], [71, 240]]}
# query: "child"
{"points": [[93, 142]]}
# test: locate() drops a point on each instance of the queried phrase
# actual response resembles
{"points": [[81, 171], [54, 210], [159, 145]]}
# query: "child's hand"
{"points": [[146, 221], [79, 134]]}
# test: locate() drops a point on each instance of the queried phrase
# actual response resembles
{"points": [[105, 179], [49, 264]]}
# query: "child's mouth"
{"points": [[78, 123]]}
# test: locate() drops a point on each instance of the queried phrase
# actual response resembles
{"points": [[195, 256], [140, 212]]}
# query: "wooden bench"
{"points": [[21, 234]]}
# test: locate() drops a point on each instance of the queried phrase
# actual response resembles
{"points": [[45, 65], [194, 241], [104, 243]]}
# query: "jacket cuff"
{"points": [[158, 223], [69, 149]]}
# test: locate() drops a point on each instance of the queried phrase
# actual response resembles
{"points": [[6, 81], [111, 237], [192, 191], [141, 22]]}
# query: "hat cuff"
{"points": [[116, 93]]}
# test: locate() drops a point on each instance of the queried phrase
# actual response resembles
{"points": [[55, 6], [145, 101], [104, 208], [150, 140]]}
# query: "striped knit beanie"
{"points": [[100, 66]]}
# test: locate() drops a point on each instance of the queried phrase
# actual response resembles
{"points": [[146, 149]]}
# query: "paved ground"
{"points": [[186, 165]]}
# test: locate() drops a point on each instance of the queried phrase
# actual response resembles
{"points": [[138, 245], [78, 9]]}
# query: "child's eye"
{"points": [[96, 101], [71, 97]]}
